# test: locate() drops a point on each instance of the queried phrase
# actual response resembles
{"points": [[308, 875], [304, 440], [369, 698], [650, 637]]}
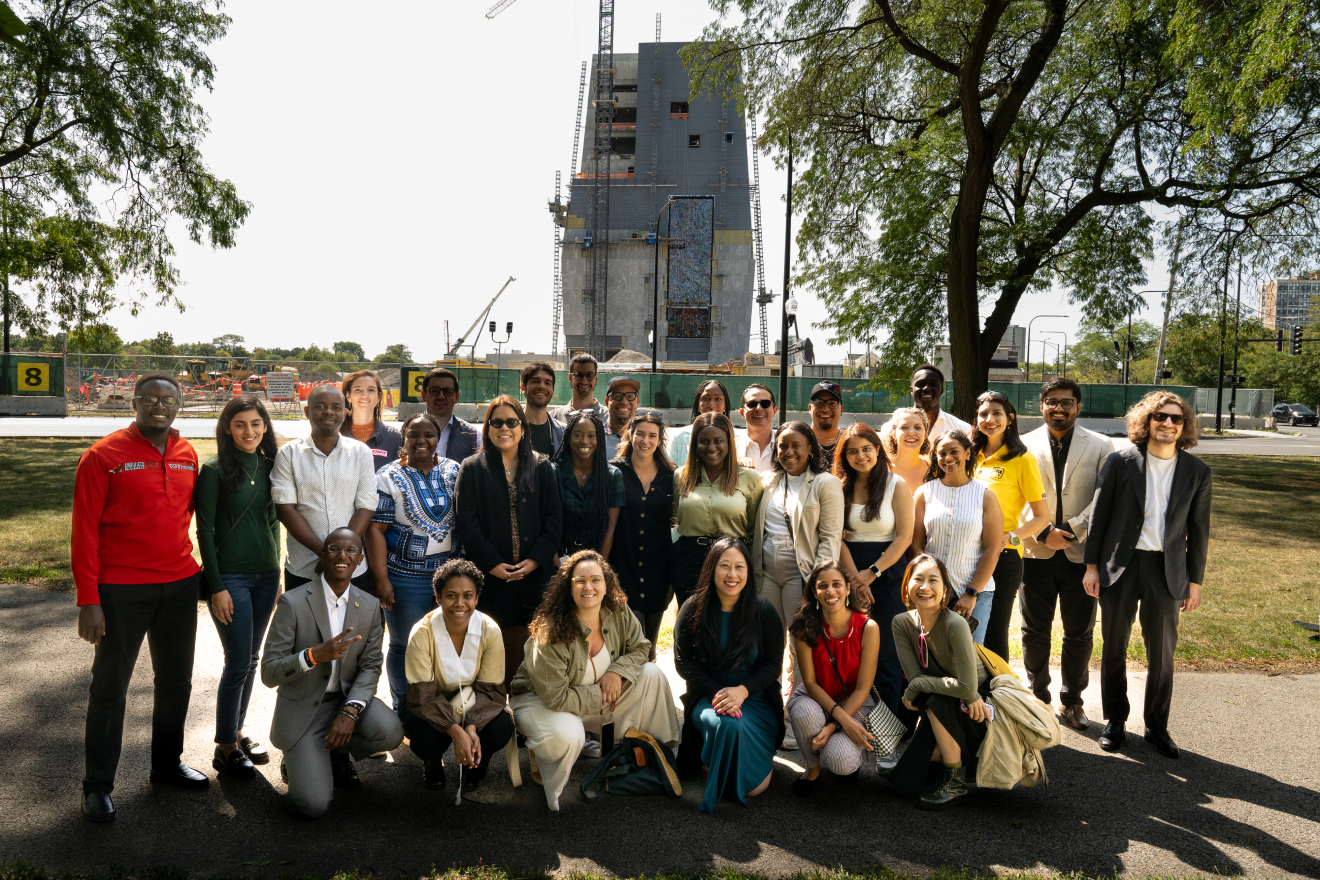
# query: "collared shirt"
{"points": [[1016, 483], [325, 489], [384, 442], [419, 512], [763, 460], [579, 505], [337, 608], [562, 411], [948, 422], [706, 511], [1059, 447], [443, 446]]}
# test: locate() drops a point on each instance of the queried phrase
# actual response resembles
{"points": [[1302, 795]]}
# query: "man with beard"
{"points": [[826, 407], [927, 389], [621, 399], [538, 388]]}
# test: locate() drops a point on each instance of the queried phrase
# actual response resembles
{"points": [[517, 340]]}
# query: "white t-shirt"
{"points": [[948, 422], [1159, 484], [783, 502]]}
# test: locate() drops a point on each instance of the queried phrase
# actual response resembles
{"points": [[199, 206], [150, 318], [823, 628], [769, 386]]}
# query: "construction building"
{"points": [[1290, 302], [662, 143]]}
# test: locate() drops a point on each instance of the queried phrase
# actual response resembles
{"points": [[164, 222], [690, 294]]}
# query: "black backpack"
{"points": [[636, 765]]}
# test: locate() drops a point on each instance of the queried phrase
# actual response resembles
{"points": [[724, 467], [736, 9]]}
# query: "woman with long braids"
{"points": [[239, 538], [591, 489], [412, 534], [729, 648]]}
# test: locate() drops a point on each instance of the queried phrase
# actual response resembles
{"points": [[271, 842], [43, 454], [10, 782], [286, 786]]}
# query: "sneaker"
{"points": [[591, 749], [789, 744], [952, 787]]}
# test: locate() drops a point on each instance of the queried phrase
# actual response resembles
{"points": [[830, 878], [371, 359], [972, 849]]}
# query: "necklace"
{"points": [[252, 475]]}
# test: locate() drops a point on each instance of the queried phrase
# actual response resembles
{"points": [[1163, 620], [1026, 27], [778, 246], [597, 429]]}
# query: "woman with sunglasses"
{"points": [[590, 488], [958, 521], [713, 496], [586, 667], [509, 520], [947, 684], [1003, 465], [642, 565], [711, 397]]}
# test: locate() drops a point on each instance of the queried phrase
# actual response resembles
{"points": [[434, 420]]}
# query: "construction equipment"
{"points": [[598, 229], [195, 373], [763, 298], [499, 7], [477, 323], [560, 212]]}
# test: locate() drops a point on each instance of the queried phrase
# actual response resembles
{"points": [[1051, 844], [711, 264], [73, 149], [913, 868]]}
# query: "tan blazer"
{"points": [[1086, 455], [817, 521]]}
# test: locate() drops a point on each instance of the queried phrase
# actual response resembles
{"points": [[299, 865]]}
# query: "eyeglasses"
{"points": [[577, 376], [826, 401], [163, 401], [758, 404], [501, 423], [595, 580], [442, 392], [617, 396], [1168, 417], [1063, 403]]}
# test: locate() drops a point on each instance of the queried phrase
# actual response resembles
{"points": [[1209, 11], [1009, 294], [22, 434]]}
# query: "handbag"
{"points": [[879, 722], [638, 765], [203, 591]]}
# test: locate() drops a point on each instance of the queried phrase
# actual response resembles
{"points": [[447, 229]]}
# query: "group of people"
{"points": [[819, 570]]}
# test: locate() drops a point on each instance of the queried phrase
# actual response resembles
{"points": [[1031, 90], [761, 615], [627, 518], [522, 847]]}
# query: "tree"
{"points": [[1096, 360], [98, 97], [162, 345], [962, 153], [231, 343], [394, 354], [95, 339], [352, 349]]}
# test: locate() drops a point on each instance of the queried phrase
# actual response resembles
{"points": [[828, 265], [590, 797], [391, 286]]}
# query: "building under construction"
{"points": [[661, 144]]}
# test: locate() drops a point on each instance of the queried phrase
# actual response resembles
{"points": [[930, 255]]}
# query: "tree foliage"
{"points": [[352, 349], [100, 148], [961, 153]]}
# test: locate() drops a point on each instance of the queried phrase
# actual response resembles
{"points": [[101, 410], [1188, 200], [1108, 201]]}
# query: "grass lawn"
{"points": [[1264, 569]]}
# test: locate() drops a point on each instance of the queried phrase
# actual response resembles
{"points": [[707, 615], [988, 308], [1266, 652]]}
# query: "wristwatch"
{"points": [[971, 592], [1014, 540], [873, 569]]}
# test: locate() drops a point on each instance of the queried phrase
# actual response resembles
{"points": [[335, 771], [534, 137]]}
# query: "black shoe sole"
{"points": [[223, 768], [1111, 746], [99, 820]]}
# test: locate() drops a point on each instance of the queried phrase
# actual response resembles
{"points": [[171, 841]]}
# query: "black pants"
{"points": [[1008, 578], [365, 581], [1046, 582], [650, 621], [430, 744], [887, 604], [689, 555], [166, 614], [1142, 590]]}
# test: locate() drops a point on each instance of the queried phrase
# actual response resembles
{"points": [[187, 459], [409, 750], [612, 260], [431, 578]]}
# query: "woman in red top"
{"points": [[836, 647]]}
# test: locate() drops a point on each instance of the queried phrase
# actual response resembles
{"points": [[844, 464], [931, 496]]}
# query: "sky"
{"points": [[399, 163]]}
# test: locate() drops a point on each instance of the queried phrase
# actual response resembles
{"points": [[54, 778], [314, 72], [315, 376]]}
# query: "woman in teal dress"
{"points": [[729, 648]]}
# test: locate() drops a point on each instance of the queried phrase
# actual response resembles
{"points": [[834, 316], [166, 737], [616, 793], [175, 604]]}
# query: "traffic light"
{"points": [[1278, 342], [1297, 340], [1166, 374]]}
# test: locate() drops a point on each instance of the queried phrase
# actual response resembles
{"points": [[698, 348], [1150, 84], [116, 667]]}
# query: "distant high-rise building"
{"points": [[664, 143], [1289, 302]]}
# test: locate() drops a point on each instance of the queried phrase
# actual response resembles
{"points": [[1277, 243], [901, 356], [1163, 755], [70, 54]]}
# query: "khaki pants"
{"points": [[311, 784]]}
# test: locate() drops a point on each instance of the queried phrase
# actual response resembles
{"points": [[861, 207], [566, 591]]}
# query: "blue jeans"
{"points": [[984, 602], [414, 598], [254, 598]]}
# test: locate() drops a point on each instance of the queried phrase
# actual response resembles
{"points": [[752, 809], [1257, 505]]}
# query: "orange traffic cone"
{"points": [[389, 399]]}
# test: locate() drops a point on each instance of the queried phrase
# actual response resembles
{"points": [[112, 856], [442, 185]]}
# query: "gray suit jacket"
{"points": [[1120, 510], [464, 439], [301, 621], [1086, 456]]}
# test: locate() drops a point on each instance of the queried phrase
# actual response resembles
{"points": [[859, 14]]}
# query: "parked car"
{"points": [[1295, 414]]}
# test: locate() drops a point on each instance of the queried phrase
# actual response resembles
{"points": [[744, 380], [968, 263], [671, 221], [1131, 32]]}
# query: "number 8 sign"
{"points": [[33, 376]]}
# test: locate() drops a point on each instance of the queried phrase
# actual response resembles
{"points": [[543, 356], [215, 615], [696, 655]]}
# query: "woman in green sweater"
{"points": [[239, 538]]}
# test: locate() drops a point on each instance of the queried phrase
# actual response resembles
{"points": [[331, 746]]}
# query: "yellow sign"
{"points": [[33, 376], [415, 380]]}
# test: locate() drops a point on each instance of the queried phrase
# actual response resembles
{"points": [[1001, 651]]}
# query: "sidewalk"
{"points": [[1243, 799]]}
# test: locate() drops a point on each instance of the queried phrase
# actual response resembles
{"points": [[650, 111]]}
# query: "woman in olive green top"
{"points": [[947, 683], [239, 538], [713, 497]]}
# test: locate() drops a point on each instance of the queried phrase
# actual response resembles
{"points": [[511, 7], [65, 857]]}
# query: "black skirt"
{"points": [[689, 556], [915, 770]]}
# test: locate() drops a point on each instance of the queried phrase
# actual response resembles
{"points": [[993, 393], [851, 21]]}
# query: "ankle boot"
{"points": [[953, 787]]}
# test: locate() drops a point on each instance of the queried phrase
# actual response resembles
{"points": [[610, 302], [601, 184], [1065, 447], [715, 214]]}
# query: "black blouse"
{"points": [[642, 543]]}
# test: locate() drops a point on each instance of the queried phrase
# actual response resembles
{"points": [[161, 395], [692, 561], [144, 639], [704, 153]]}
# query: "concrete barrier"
{"points": [[25, 405]]}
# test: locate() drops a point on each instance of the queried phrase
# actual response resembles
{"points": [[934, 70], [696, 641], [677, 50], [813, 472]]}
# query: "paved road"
{"points": [[1243, 800]]}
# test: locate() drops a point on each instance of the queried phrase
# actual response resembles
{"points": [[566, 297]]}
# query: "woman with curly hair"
{"points": [[585, 665], [906, 442], [836, 648], [590, 488], [729, 648]]}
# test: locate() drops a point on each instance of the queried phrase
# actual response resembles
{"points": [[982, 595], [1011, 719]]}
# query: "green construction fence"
{"points": [[32, 375]]}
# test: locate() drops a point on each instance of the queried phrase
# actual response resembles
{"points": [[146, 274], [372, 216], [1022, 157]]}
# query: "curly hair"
{"points": [[889, 430], [556, 620], [877, 480], [806, 625], [456, 568], [949, 595], [959, 437], [1138, 419], [403, 430], [600, 468]]}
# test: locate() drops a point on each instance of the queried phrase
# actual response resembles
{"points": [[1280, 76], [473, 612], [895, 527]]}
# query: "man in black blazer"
{"points": [[1148, 537]]}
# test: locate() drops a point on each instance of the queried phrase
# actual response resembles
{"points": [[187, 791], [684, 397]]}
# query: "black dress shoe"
{"points": [[433, 774], [256, 752], [1163, 743], [181, 776], [235, 763], [1111, 739], [850, 778], [341, 767], [1074, 717], [472, 778], [97, 807], [803, 787]]}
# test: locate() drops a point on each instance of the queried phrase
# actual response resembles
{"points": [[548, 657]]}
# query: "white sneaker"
{"points": [[790, 743], [591, 749]]}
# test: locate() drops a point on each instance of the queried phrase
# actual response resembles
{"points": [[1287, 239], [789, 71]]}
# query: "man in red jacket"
{"points": [[135, 575]]}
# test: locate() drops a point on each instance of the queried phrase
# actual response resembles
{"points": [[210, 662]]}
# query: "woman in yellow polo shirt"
{"points": [[1002, 463]]}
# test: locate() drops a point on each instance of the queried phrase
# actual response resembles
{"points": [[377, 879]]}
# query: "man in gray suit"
{"points": [[1070, 458], [324, 654], [1150, 534]]}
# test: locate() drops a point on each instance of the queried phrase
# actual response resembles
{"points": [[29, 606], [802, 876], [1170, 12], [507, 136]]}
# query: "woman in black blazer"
{"points": [[517, 553]]}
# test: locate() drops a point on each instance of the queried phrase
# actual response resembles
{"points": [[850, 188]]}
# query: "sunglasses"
{"points": [[758, 404], [1168, 417], [163, 401], [647, 413], [501, 423]]}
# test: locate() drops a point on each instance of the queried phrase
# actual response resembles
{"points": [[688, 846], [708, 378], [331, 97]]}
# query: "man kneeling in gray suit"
{"points": [[324, 654]]}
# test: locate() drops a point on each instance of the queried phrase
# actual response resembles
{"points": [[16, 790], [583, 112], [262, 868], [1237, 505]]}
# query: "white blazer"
{"points": [[1086, 455]]}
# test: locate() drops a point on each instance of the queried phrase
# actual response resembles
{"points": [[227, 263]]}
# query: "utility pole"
{"points": [[1237, 327], [783, 314], [1223, 333], [1168, 302]]}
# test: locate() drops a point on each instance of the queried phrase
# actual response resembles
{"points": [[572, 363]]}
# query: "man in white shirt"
{"points": [[327, 707], [758, 409], [320, 483], [622, 404], [583, 373], [927, 389]]}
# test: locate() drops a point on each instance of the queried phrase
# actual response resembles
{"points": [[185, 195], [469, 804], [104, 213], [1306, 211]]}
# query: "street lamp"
{"points": [[788, 297], [1042, 373], [499, 344], [1064, 353]]}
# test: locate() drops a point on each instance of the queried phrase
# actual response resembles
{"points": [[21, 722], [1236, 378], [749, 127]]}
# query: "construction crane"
{"points": [[560, 212], [598, 232], [477, 323], [499, 7], [763, 298]]}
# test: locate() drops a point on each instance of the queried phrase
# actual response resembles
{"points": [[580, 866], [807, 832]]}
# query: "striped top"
{"points": [[953, 530]]}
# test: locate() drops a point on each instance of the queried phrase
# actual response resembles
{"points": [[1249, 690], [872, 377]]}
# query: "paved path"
{"points": [[1242, 800]]}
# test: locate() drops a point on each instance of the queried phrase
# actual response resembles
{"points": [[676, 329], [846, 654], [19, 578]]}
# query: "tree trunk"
{"points": [[1168, 303], [971, 357]]}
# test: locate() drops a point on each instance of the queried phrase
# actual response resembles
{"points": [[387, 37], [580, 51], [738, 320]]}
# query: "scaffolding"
{"points": [[598, 233], [762, 297], [559, 283], [655, 125]]}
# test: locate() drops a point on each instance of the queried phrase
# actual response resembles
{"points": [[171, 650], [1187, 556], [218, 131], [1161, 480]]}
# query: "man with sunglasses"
{"points": [[135, 576], [622, 404], [458, 439], [1070, 458], [758, 410], [1145, 555], [582, 376]]}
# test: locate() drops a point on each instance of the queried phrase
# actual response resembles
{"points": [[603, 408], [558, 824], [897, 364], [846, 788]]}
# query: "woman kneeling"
{"points": [[455, 665], [836, 649], [586, 665]]}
